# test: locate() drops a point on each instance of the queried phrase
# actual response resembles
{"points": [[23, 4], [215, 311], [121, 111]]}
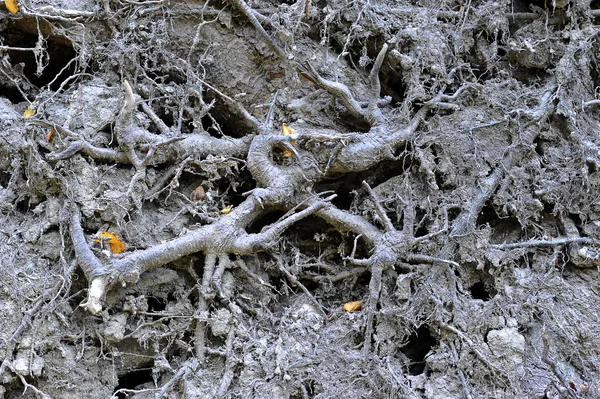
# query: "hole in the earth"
{"points": [[540, 147], [453, 213], [23, 33], [591, 166], [505, 230], [263, 221], [310, 387], [530, 76], [313, 235], [364, 279], [421, 231], [310, 285], [4, 178], [595, 61], [576, 218], [208, 124], [156, 304], [375, 176], [392, 85], [78, 289], [231, 124], [478, 291], [132, 380], [23, 205], [487, 214], [419, 344]]}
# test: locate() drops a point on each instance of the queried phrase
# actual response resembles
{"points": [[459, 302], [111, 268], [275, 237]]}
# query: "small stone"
{"points": [[198, 194]]}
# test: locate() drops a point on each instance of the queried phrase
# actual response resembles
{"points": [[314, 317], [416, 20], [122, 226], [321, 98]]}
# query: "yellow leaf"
{"points": [[286, 132], [227, 209], [11, 5], [352, 306], [29, 112], [116, 245]]}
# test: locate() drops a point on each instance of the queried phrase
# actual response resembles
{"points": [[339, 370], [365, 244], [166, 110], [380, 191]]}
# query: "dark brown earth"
{"points": [[442, 168]]}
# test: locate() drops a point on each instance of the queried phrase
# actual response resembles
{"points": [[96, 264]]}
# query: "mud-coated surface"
{"points": [[442, 169]]}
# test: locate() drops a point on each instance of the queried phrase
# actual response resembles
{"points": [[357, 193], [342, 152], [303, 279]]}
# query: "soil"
{"points": [[312, 199]]}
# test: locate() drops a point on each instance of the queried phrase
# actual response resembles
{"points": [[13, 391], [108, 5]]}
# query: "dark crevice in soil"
{"points": [[156, 304], [420, 343], [530, 76], [208, 125], [595, 61], [22, 205], [60, 53], [353, 181], [132, 380], [231, 125], [304, 235], [478, 291], [363, 279], [421, 231], [310, 285], [265, 220], [503, 228], [392, 85], [487, 214]]}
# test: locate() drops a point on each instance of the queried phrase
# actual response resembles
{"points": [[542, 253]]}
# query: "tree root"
{"points": [[188, 367]]}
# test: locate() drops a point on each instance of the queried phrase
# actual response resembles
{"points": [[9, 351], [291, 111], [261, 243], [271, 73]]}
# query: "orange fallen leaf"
{"points": [[11, 5], [50, 134], [29, 112], [286, 132], [227, 209], [116, 244], [352, 306]]}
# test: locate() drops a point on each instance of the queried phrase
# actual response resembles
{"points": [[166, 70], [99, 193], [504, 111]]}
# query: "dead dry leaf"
{"points": [[227, 209], [287, 130], [12, 6], [352, 306], [29, 112], [117, 246]]}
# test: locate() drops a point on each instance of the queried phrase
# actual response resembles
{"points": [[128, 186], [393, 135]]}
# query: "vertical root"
{"points": [[374, 291]]}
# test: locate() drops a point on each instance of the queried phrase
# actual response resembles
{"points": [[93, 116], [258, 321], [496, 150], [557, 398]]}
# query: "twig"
{"points": [[374, 292], [266, 238], [471, 344], [188, 367], [552, 364], [546, 243], [224, 262], [590, 103], [295, 282], [105, 154], [162, 127], [27, 385], [461, 375], [210, 259], [374, 114], [249, 13], [230, 363], [387, 223], [428, 259], [174, 171], [340, 91]]}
